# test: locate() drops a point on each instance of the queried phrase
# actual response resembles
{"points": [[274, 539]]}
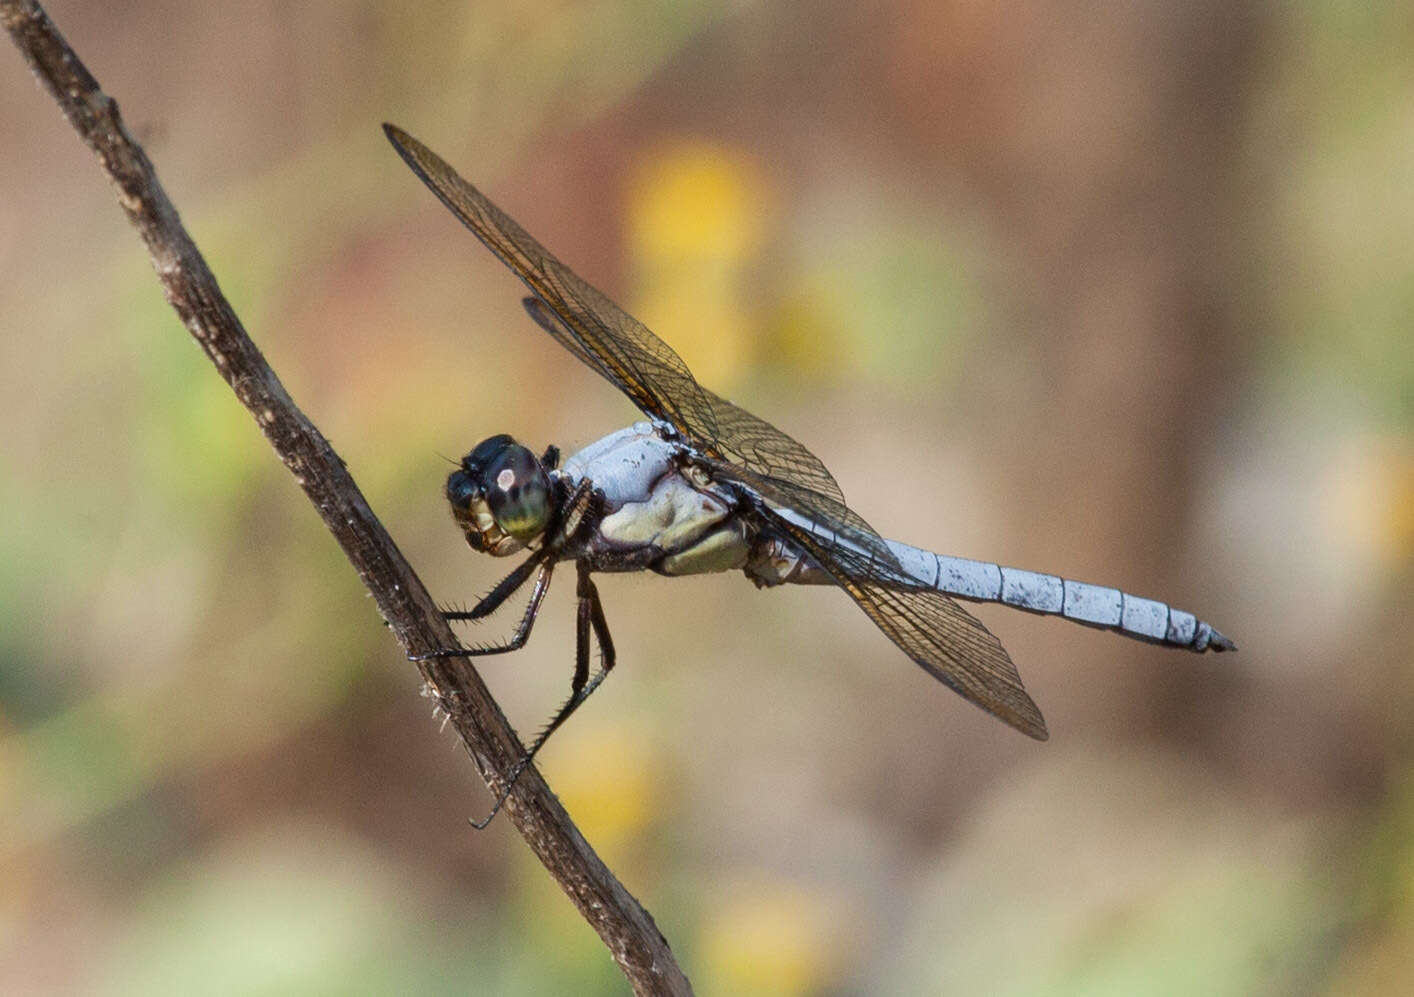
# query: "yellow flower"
{"points": [[697, 200], [773, 938], [697, 217]]}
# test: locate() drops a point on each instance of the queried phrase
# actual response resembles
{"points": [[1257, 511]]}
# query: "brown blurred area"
{"points": [[1117, 292]]}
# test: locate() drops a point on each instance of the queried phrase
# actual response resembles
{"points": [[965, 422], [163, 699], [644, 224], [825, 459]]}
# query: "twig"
{"points": [[626, 928]]}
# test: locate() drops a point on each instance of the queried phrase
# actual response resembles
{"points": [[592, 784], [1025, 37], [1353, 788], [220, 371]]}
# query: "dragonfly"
{"points": [[701, 485]]}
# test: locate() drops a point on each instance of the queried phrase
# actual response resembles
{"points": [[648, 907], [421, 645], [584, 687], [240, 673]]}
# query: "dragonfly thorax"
{"points": [[500, 496]]}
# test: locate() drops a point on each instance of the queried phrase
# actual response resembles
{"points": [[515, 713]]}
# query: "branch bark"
{"points": [[626, 928]]}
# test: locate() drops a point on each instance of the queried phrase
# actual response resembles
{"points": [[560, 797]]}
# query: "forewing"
{"points": [[760, 447], [609, 340], [739, 437], [943, 638], [623, 350]]}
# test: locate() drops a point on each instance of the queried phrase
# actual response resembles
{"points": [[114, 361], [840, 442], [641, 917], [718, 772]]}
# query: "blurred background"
{"points": [[1122, 293]]}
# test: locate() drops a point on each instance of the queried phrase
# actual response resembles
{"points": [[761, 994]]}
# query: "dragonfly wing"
{"points": [[939, 635], [619, 347], [610, 340], [757, 445], [742, 440]]}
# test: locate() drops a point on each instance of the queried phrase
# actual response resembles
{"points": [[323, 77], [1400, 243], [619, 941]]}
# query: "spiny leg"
{"points": [[504, 589], [591, 616], [527, 621], [575, 508], [601, 627]]}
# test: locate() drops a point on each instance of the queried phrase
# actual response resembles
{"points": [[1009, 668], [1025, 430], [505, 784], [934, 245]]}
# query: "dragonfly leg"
{"points": [[522, 630], [544, 560], [577, 506], [504, 589], [591, 617]]}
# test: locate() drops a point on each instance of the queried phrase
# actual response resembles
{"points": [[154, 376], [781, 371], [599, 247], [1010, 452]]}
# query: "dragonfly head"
{"points": [[500, 496]]}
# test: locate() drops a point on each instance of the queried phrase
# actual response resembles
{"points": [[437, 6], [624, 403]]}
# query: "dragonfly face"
{"points": [[500, 496]]}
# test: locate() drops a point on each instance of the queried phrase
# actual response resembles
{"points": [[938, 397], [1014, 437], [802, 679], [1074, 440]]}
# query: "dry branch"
{"points": [[626, 928]]}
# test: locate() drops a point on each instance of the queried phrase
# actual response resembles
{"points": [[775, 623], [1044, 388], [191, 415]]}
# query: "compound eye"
{"points": [[518, 492], [462, 489]]}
